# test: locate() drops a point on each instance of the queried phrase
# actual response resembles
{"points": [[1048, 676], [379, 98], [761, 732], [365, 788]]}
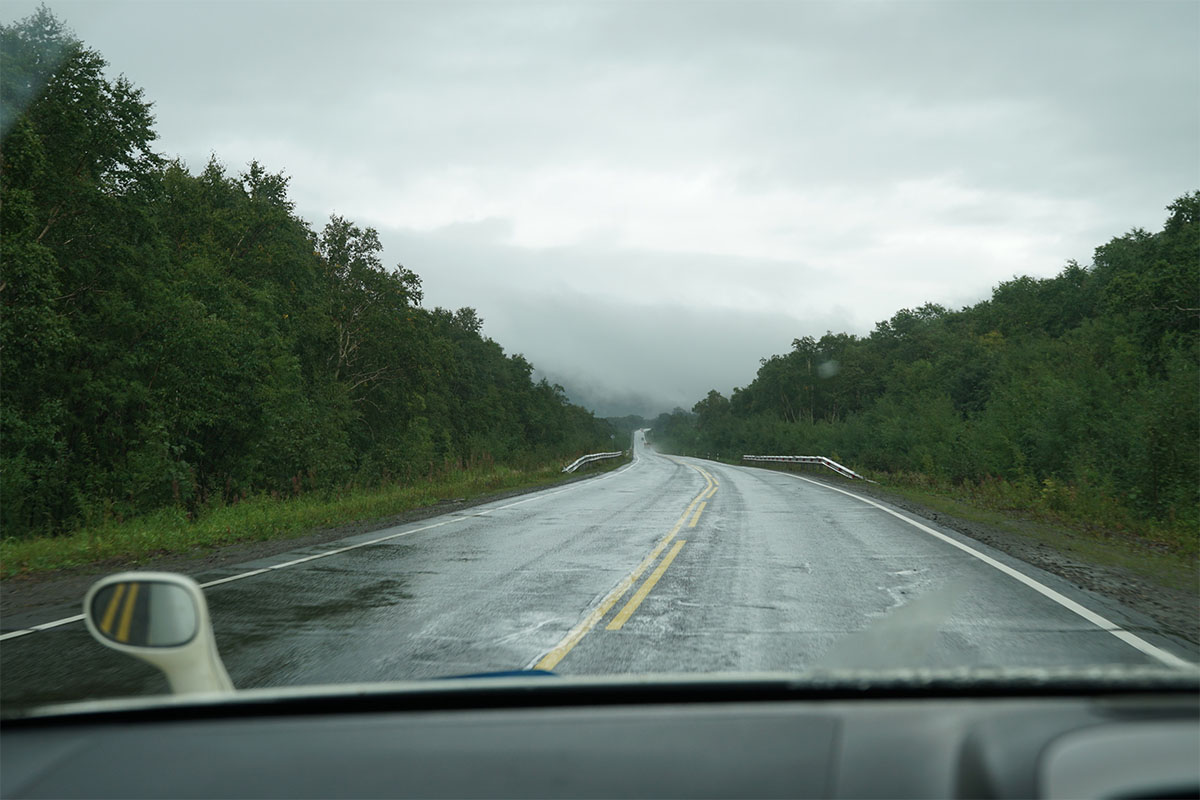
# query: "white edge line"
{"points": [[1134, 641], [262, 570], [42, 627]]}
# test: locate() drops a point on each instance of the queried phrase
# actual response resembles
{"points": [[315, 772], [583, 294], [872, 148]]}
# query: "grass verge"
{"points": [[1165, 557], [170, 531]]}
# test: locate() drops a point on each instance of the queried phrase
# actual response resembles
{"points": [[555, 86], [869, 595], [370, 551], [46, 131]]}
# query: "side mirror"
{"points": [[162, 619]]}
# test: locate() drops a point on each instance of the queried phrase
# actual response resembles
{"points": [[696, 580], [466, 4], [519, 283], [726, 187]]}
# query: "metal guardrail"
{"points": [[579, 462], [818, 460]]}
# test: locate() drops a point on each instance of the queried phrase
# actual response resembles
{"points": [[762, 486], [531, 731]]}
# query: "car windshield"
{"points": [[454, 338]]}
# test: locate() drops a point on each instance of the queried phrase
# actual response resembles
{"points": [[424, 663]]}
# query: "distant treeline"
{"points": [[170, 338], [1082, 385]]}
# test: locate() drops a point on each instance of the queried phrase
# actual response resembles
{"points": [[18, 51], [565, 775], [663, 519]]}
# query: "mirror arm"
{"points": [[193, 666]]}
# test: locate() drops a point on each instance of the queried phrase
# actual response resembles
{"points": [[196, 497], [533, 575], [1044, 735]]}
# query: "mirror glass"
{"points": [[145, 614]]}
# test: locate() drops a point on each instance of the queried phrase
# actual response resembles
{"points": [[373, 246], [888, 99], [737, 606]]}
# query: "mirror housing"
{"points": [[160, 618]]}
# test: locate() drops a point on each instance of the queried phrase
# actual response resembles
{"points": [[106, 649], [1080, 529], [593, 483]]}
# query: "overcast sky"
{"points": [[646, 198]]}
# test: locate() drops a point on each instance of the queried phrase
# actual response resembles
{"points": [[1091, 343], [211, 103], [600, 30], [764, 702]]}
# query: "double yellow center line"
{"points": [[693, 511], [125, 617]]}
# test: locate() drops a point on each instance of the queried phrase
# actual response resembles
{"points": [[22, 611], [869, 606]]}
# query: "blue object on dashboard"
{"points": [[511, 673]]}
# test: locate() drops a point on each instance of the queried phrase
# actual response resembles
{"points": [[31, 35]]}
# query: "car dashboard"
{"points": [[550, 737]]}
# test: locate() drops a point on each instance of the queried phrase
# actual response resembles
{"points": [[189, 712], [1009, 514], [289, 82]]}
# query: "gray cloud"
{"points": [[646, 198]]}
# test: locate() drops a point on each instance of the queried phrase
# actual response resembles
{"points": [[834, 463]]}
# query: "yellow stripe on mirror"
{"points": [[110, 612]]}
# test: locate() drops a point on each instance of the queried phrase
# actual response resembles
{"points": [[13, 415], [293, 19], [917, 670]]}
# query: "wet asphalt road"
{"points": [[667, 565]]}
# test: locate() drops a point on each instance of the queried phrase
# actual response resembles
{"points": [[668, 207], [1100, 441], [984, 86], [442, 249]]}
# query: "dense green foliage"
{"points": [[1081, 386], [171, 339]]}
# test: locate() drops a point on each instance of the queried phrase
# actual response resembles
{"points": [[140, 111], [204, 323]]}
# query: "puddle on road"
{"points": [[377, 594], [322, 603]]}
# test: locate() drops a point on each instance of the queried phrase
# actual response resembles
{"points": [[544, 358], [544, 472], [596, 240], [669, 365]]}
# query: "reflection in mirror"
{"points": [[145, 614]]}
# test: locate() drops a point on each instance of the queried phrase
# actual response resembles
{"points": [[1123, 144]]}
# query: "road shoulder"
{"points": [[24, 596], [1176, 610]]}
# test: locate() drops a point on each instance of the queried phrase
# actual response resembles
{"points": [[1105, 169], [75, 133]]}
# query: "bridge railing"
{"points": [[817, 460], [579, 462]]}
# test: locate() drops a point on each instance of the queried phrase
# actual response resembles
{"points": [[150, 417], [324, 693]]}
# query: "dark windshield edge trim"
{"points": [[495, 698]]}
